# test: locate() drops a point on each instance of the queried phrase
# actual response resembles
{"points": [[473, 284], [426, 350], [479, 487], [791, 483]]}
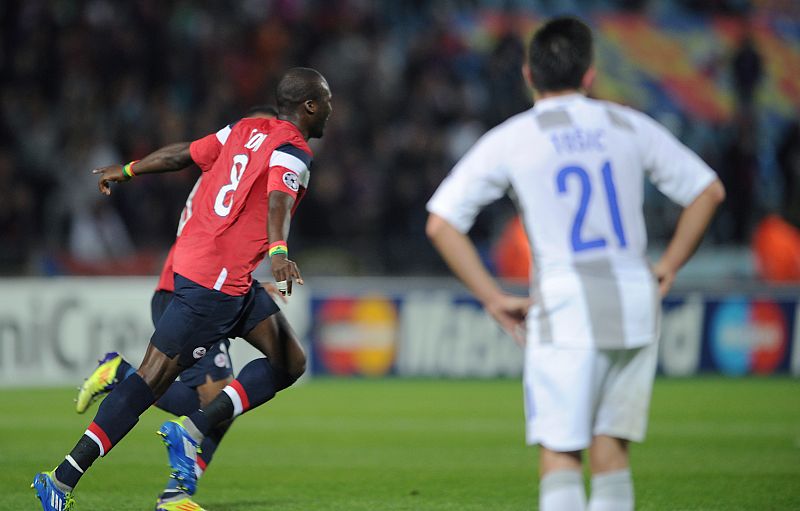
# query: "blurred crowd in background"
{"points": [[87, 83]]}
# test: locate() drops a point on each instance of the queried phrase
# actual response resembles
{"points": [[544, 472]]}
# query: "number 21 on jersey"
{"points": [[579, 244]]}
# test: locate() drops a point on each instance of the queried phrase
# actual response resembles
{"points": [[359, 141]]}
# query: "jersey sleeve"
{"points": [[672, 167], [477, 180], [205, 151], [289, 170]]}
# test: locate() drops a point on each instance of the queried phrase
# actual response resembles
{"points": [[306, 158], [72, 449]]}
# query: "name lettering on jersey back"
{"points": [[256, 139], [578, 140]]}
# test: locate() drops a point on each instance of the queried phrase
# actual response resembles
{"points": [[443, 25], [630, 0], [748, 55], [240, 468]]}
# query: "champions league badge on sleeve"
{"points": [[291, 180]]}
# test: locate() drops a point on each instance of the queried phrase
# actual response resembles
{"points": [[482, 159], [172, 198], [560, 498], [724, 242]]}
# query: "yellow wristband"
{"points": [[127, 169], [279, 247]]}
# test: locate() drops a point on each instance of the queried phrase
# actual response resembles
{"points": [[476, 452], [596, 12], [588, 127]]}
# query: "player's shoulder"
{"points": [[511, 130], [285, 135], [289, 152], [624, 116], [281, 134], [246, 125], [514, 123]]}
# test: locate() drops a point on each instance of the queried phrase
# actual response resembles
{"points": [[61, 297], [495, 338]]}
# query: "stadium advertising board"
{"points": [[52, 331], [409, 334], [446, 333], [734, 335]]}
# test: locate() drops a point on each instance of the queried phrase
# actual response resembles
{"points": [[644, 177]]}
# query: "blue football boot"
{"points": [[182, 450], [51, 497]]}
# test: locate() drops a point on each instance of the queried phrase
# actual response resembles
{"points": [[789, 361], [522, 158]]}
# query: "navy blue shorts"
{"points": [[216, 364], [198, 318]]}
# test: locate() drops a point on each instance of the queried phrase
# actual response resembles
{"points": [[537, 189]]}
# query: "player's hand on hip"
{"points": [[665, 276], [285, 271], [108, 175], [510, 312]]}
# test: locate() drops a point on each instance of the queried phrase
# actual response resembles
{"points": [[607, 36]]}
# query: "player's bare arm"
{"points": [[691, 225], [284, 270], [460, 254], [167, 159]]}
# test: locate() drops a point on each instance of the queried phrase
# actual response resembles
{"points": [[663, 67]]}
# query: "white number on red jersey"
{"points": [[256, 139], [222, 208]]}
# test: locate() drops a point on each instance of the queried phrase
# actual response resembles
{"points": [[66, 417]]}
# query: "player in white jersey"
{"points": [[577, 167]]}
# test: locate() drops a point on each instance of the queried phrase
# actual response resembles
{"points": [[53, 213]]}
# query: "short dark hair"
{"points": [[559, 54], [261, 109], [298, 85]]}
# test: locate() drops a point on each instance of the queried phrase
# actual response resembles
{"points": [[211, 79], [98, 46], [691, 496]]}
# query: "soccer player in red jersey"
{"points": [[254, 173], [197, 385]]}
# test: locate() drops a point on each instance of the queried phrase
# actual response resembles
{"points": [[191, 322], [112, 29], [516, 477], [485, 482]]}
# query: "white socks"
{"points": [[562, 490], [612, 491]]}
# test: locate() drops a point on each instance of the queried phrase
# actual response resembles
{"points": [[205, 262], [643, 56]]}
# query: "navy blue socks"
{"points": [[117, 415], [209, 445], [256, 384], [179, 399], [124, 369]]}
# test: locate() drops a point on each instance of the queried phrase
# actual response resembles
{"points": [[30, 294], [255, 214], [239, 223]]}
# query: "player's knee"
{"points": [[285, 378], [158, 370], [298, 367], [157, 378], [551, 461]]}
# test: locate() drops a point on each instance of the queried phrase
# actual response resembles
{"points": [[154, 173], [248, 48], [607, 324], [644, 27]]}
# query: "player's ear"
{"points": [[588, 78], [526, 74], [310, 106]]}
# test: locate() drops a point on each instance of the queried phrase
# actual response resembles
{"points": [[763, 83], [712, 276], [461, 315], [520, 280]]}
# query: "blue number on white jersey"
{"points": [[578, 243]]}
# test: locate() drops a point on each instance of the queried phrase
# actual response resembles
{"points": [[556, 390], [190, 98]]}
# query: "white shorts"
{"points": [[573, 394]]}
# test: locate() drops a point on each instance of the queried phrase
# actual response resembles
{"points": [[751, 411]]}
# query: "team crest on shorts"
{"points": [[290, 179], [199, 352], [220, 360]]}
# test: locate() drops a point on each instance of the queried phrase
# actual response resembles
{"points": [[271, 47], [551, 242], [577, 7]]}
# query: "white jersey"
{"points": [[577, 167]]}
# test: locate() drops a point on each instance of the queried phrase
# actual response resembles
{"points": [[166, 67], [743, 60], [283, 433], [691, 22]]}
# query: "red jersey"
{"points": [[166, 282], [227, 235]]}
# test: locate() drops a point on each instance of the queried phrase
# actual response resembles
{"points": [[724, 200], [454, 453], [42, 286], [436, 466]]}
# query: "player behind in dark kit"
{"points": [[256, 171], [197, 385]]}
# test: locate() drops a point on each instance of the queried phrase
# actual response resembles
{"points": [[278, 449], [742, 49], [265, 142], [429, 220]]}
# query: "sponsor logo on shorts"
{"points": [[291, 181], [220, 360], [199, 352]]}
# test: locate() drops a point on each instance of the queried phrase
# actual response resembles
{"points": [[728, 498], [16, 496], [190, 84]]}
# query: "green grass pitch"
{"points": [[368, 445]]}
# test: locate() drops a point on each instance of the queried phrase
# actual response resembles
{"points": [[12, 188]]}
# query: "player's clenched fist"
{"points": [[285, 271]]}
